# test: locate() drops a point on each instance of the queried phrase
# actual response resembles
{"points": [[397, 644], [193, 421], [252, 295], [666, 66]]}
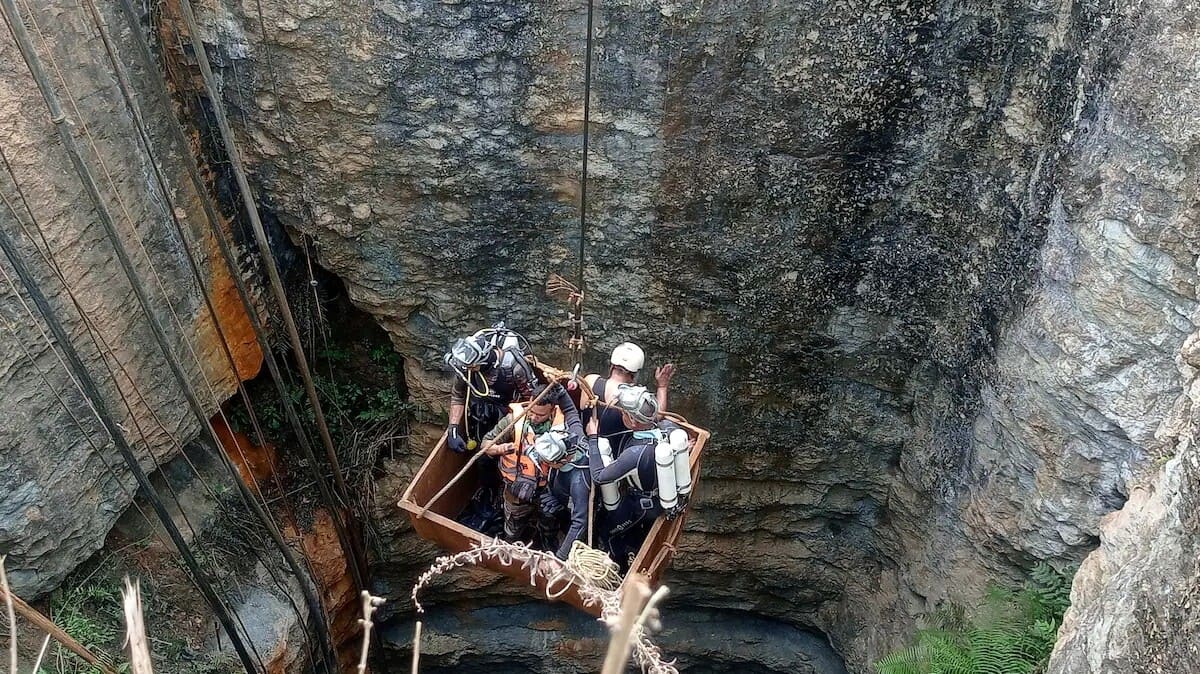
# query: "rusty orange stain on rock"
{"points": [[231, 313], [255, 463], [324, 552]]}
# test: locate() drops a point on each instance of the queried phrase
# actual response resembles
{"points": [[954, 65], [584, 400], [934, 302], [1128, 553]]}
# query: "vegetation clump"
{"points": [[1013, 632]]}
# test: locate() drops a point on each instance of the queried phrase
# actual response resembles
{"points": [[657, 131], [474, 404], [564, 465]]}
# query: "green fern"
{"points": [[1012, 632], [912, 660]]}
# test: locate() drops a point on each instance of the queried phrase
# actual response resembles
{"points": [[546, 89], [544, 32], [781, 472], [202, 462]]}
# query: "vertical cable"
{"points": [[358, 566], [577, 319], [310, 595], [214, 222]]}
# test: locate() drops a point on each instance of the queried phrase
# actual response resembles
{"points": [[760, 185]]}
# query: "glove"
{"points": [[549, 503], [454, 441], [523, 489]]}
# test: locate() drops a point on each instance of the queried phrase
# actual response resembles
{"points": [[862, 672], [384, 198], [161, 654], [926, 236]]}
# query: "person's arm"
{"points": [[497, 449], [501, 427], [458, 400], [621, 467], [564, 402], [662, 377], [454, 438]]}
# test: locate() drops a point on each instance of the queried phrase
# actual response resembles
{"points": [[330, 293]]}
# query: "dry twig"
{"points": [[135, 630]]}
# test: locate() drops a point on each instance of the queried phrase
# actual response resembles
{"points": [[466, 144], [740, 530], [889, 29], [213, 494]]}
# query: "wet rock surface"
{"points": [[548, 638]]}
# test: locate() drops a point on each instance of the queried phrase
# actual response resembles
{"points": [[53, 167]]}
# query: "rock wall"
{"points": [[1133, 600], [914, 285], [913, 282], [925, 266], [546, 638], [58, 496]]}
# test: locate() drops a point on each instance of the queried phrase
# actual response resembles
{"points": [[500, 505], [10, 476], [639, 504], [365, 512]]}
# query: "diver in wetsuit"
{"points": [[650, 476]]}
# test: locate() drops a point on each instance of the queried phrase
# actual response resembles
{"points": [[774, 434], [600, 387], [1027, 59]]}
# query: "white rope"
{"points": [[596, 582]]}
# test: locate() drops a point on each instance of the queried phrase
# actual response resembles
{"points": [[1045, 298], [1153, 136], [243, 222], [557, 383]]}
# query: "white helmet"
{"points": [[637, 402], [629, 356]]}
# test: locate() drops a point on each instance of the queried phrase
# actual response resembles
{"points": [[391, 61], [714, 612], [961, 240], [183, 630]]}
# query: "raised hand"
{"points": [[663, 374]]}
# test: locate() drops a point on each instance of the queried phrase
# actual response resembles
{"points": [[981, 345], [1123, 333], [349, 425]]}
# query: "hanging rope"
{"points": [[12, 18], [105, 353], [357, 558], [58, 117], [315, 608], [576, 343], [244, 492], [277, 374]]}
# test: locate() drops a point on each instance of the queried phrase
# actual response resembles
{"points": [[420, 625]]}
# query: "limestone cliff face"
{"points": [[57, 499], [1133, 600], [923, 266]]}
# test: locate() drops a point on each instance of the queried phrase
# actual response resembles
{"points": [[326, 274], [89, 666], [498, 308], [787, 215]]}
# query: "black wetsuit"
{"points": [[639, 506], [509, 379], [574, 488], [611, 425]]}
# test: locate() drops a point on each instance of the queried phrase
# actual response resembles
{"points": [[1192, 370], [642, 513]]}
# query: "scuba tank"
{"points": [[672, 461], [500, 337], [609, 493]]}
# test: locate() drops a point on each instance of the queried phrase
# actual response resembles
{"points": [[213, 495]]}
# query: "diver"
{"points": [[625, 362], [651, 476]]}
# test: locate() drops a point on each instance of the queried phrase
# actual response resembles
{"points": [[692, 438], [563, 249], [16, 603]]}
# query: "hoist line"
{"points": [[58, 117], [160, 181], [305, 200], [577, 320], [177, 135], [358, 565], [7, 245], [92, 394], [315, 607], [105, 351]]}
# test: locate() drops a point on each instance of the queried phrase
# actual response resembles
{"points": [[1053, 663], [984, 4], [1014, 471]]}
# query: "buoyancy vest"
{"points": [[517, 462]]}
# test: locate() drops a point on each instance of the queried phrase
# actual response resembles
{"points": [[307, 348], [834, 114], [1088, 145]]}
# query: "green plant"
{"points": [[384, 404], [1013, 632], [335, 353], [91, 613], [384, 354]]}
